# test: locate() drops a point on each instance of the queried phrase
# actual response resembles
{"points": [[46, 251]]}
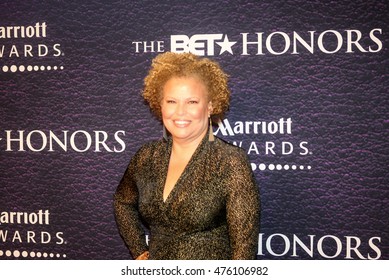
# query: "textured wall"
{"points": [[338, 104]]}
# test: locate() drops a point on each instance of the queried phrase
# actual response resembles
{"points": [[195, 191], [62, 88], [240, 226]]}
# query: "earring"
{"points": [[211, 137], [164, 133]]}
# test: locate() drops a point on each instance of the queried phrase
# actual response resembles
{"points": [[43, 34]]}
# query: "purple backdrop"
{"points": [[314, 74]]}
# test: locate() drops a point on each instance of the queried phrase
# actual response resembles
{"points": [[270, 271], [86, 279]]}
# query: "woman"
{"points": [[194, 192]]}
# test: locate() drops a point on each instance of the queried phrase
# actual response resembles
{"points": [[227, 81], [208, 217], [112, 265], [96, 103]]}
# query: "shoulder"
{"points": [[235, 167], [229, 156], [228, 150], [149, 150], [151, 147]]}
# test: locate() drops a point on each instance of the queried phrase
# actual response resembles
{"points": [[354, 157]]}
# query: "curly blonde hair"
{"points": [[168, 65]]}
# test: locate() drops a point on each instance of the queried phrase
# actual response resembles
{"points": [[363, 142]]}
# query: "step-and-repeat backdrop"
{"points": [[309, 82]]}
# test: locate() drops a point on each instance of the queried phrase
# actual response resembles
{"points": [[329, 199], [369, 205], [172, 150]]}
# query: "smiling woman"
{"points": [[194, 192], [186, 109], [185, 112]]}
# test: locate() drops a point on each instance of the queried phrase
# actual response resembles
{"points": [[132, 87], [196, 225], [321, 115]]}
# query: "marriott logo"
{"points": [[282, 126]]}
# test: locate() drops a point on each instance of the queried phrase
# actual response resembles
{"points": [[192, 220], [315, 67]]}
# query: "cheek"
{"points": [[200, 113], [166, 112]]}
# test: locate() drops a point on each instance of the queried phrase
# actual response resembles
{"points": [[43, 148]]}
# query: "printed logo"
{"points": [[20, 46], [80, 141], [274, 43], [263, 150], [346, 247], [10, 233]]}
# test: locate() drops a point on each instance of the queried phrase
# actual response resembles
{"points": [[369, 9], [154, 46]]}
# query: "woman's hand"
{"points": [[144, 256]]}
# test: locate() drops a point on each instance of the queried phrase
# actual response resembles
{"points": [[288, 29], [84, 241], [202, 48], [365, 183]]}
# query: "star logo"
{"points": [[226, 45]]}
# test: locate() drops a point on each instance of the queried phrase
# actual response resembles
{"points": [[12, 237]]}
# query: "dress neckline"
{"points": [[165, 166]]}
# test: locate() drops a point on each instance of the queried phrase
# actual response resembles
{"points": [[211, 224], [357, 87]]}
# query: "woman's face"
{"points": [[185, 108]]}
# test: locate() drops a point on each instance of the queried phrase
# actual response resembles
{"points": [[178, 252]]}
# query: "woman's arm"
{"points": [[243, 207], [126, 212]]}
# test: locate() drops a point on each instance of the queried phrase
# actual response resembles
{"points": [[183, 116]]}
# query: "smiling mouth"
{"points": [[181, 123]]}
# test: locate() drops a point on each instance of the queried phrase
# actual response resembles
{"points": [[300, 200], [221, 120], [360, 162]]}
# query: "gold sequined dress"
{"points": [[211, 213]]}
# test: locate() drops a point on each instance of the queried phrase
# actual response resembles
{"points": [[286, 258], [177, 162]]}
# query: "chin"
{"points": [[181, 136]]}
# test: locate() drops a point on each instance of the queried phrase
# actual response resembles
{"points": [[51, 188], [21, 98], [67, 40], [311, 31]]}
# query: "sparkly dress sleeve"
{"points": [[126, 211], [243, 207]]}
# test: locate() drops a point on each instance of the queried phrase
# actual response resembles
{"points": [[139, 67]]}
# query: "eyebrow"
{"points": [[189, 98]]}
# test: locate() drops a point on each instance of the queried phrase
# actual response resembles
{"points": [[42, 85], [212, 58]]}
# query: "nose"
{"points": [[180, 109]]}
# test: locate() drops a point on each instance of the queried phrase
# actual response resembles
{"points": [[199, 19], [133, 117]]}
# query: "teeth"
{"points": [[181, 122]]}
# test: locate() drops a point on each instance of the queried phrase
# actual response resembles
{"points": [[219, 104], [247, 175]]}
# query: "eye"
{"points": [[193, 102], [169, 101]]}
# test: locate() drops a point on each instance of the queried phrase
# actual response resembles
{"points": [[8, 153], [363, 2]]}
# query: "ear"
{"points": [[210, 107]]}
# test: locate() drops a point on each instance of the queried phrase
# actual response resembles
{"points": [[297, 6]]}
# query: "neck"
{"points": [[187, 147]]}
